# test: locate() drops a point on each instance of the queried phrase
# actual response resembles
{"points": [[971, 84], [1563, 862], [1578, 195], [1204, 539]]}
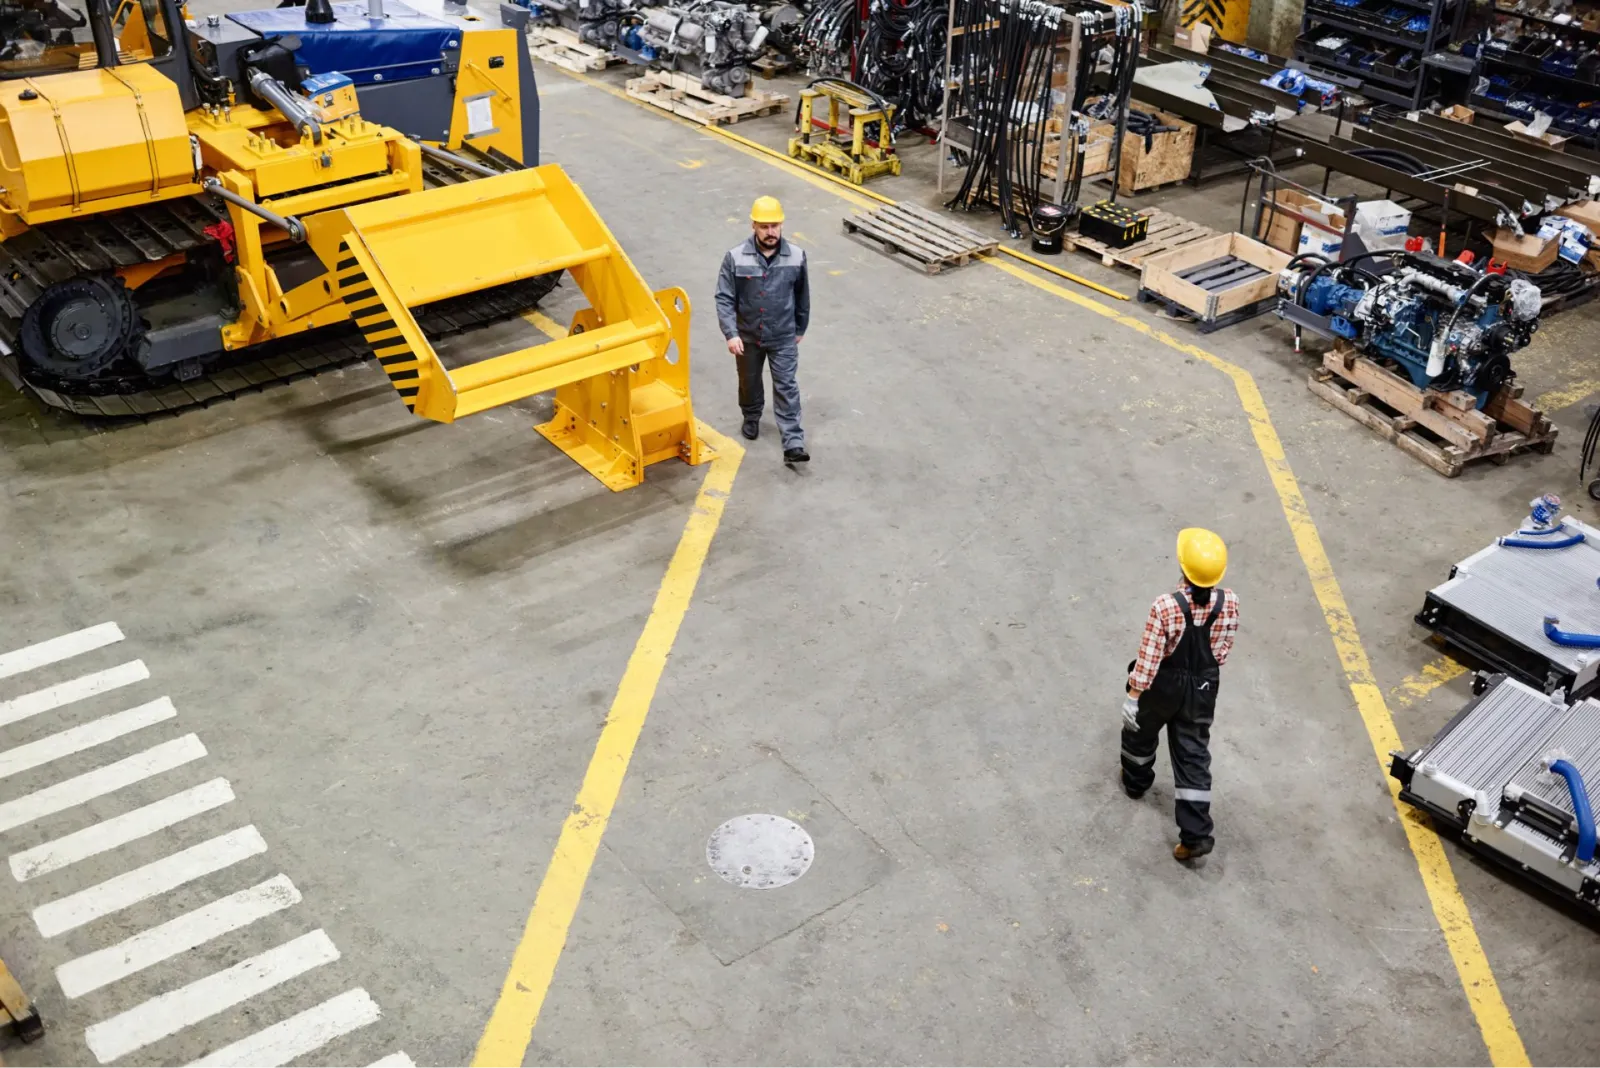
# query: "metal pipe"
{"points": [[294, 109], [375, 9], [105, 45], [455, 160], [295, 228]]}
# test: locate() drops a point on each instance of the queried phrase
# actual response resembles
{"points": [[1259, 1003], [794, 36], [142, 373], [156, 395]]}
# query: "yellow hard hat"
{"points": [[1202, 556], [766, 210]]}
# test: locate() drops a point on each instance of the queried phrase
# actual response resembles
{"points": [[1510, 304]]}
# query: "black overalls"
{"points": [[1183, 699]]}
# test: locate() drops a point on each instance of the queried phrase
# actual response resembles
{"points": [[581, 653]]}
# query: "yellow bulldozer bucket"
{"points": [[621, 375]]}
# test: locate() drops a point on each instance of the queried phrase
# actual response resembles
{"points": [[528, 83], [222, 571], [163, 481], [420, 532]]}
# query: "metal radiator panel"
{"points": [[1488, 745], [1577, 735], [1512, 589]]}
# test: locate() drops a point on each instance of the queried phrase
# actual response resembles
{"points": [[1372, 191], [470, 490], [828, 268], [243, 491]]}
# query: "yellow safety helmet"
{"points": [[766, 210], [1202, 556]]}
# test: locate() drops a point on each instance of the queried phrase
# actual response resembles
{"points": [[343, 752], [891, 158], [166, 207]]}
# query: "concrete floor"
{"points": [[398, 642]]}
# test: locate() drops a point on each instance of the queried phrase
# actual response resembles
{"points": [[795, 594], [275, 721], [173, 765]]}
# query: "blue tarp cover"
{"points": [[406, 44]]}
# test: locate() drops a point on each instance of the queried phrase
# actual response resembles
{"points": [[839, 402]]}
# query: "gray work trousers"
{"points": [[784, 359]]}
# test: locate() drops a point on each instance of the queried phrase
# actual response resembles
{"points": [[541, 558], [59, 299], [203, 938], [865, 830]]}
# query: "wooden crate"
{"points": [[1168, 160], [682, 95], [1446, 431], [560, 47], [1166, 232], [922, 238], [1214, 305]]}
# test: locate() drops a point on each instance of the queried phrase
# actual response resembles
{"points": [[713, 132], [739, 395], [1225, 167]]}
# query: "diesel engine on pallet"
{"points": [[596, 22], [710, 39], [1447, 324]]}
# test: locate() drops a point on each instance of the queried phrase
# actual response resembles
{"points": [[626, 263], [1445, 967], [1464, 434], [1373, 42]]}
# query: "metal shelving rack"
{"points": [[1577, 88], [1384, 82]]}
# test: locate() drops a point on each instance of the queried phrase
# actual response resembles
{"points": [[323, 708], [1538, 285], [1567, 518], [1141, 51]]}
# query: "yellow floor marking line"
{"points": [[545, 325], [1499, 1031], [510, 1028], [1567, 396], [1432, 676]]}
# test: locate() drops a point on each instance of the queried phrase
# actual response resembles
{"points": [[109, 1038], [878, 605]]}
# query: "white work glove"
{"points": [[1130, 712]]}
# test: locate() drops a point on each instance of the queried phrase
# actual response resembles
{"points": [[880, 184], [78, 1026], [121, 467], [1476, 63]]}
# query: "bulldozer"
{"points": [[194, 207]]}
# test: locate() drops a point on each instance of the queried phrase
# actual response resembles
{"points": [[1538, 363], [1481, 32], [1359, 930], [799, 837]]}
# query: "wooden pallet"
{"points": [[922, 238], [772, 66], [1446, 431], [682, 95], [1165, 233], [560, 47]]}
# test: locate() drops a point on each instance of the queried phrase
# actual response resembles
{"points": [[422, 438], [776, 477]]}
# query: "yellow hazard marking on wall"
{"points": [[1432, 676], [1499, 1031]]}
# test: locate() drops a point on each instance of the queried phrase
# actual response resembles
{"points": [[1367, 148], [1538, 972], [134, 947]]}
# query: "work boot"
{"points": [[796, 456], [751, 429], [1122, 778], [1187, 852]]}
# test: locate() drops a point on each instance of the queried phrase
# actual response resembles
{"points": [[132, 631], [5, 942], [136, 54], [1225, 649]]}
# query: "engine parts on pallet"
{"points": [[1527, 605], [713, 40], [1445, 323], [1511, 774]]}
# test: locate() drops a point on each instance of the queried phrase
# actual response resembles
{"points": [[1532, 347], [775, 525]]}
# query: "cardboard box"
{"points": [[1528, 252], [1196, 38], [1320, 242], [1459, 113], [1381, 224], [1547, 139], [1282, 230]]}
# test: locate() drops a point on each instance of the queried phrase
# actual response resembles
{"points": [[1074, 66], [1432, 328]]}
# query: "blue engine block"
{"points": [[1405, 330]]}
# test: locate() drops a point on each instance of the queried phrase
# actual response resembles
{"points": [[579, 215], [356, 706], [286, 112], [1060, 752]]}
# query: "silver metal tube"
{"points": [[374, 9], [455, 160], [294, 109], [295, 228]]}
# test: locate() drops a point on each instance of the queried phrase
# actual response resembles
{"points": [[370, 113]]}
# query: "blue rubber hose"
{"points": [[1570, 638], [1580, 807], [1529, 543]]}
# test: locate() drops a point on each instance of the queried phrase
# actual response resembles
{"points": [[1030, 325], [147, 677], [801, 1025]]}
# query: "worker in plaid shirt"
{"points": [[1173, 684]]}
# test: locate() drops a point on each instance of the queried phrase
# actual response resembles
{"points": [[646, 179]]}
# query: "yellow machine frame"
{"points": [[91, 141], [833, 149]]}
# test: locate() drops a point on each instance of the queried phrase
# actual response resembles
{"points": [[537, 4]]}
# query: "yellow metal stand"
{"points": [[621, 376], [837, 148]]}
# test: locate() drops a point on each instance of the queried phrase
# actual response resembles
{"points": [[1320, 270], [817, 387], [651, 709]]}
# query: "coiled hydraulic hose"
{"points": [[1580, 807]]}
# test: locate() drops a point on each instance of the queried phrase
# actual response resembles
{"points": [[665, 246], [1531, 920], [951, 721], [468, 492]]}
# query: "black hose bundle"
{"points": [[1006, 64], [828, 34]]}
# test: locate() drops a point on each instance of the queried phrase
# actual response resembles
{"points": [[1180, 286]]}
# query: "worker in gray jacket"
{"points": [[763, 306]]}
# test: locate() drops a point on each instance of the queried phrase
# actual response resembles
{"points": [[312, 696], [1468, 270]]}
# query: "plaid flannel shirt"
{"points": [[1164, 629]]}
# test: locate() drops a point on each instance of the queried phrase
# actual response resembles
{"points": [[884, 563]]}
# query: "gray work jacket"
{"points": [[761, 300]]}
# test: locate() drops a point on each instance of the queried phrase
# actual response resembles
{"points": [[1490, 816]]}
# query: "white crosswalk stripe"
{"points": [[169, 1013], [64, 693], [300, 1033], [156, 944], [394, 1060], [99, 782], [57, 649], [230, 922], [119, 830], [87, 736]]}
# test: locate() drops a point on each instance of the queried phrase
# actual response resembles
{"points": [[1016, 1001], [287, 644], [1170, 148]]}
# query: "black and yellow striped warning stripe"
{"points": [[366, 310]]}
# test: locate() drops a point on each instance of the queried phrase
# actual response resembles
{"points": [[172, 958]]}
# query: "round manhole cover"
{"points": [[759, 852]]}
